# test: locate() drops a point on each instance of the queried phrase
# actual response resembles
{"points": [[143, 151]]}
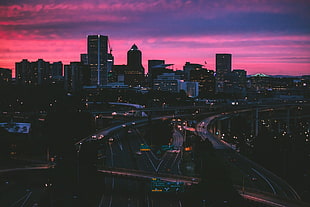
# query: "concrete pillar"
{"points": [[256, 122], [288, 120]]}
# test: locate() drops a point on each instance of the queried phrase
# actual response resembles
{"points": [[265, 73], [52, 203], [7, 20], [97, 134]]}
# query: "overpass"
{"points": [[281, 193]]}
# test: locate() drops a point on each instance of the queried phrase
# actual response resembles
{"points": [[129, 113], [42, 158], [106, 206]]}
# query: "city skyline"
{"points": [[262, 36]]}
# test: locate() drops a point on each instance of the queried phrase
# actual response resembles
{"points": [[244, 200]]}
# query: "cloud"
{"points": [[150, 17], [254, 31]]}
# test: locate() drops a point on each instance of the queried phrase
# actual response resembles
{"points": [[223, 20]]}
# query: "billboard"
{"points": [[15, 127]]}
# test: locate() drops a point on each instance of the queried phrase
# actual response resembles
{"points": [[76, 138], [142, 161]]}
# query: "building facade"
{"points": [[118, 73], [97, 54], [235, 83], [188, 67], [206, 81], [5, 77], [134, 73], [191, 88], [223, 67], [156, 68], [33, 73], [57, 69], [76, 75], [167, 82]]}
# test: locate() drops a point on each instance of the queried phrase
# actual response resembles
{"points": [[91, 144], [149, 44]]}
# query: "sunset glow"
{"points": [[263, 36]]}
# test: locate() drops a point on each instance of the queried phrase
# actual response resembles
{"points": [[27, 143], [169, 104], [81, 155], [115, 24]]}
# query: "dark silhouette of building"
{"points": [[151, 64], [188, 67], [97, 53], [110, 66], [241, 77], [118, 73], [84, 59], [156, 68], [76, 76], [223, 66], [206, 81], [23, 73], [235, 83], [33, 73], [5, 77], [57, 68], [134, 73]]}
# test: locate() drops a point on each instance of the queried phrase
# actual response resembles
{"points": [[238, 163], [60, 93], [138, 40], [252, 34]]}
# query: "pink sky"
{"points": [[271, 37]]}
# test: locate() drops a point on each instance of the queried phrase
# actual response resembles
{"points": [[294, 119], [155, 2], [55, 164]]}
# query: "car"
{"points": [[253, 178], [138, 153]]}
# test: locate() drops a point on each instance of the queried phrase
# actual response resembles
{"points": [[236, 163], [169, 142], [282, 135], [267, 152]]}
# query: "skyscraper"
{"points": [[33, 73], [74, 75], [223, 66], [134, 74], [241, 77], [97, 51], [206, 81], [188, 67], [23, 73], [56, 69], [5, 77], [155, 68]]}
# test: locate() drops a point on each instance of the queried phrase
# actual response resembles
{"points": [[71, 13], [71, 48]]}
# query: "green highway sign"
{"points": [[158, 185], [167, 147], [145, 147]]}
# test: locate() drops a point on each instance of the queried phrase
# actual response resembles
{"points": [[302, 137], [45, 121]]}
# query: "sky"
{"points": [[263, 36]]}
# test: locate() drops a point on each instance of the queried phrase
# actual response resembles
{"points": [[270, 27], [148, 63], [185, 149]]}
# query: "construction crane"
{"points": [[109, 45]]}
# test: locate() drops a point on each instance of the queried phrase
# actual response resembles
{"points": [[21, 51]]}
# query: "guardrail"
{"points": [[146, 175]]}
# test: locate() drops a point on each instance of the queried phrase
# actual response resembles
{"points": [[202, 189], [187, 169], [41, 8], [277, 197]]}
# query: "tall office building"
{"points": [[156, 68], [75, 76], [97, 52], [223, 67], [33, 73], [57, 68], [43, 70], [206, 81], [134, 73], [5, 77], [23, 73], [188, 67], [241, 77], [152, 63], [235, 83]]}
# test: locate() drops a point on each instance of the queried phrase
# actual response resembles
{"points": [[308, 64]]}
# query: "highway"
{"points": [[23, 186], [252, 175], [128, 170]]}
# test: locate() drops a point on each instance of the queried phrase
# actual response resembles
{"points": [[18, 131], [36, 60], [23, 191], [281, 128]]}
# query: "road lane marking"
{"points": [[267, 181]]}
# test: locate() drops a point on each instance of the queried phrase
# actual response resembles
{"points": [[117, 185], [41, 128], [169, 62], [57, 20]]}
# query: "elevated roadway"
{"points": [[268, 188]]}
